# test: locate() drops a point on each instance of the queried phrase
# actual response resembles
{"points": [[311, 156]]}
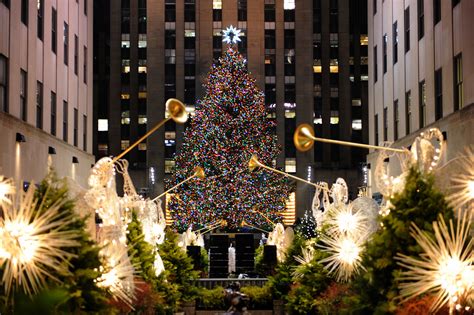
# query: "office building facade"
{"points": [[421, 70], [46, 89]]}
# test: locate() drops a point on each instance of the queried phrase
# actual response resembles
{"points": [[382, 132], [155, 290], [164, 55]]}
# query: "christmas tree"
{"points": [[420, 203], [229, 126]]}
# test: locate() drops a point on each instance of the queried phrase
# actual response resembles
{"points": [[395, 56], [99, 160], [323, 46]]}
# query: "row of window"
{"points": [[438, 97], [39, 105]]}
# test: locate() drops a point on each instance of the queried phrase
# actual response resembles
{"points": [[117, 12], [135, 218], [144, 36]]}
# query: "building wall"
{"points": [[281, 62], [25, 48], [430, 50]]}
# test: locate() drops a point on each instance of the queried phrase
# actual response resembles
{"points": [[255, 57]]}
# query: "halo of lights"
{"points": [[463, 181], [117, 273], [7, 189], [344, 255], [446, 266], [32, 243]]}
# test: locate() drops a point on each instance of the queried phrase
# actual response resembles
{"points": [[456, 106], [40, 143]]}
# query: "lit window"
{"points": [[125, 40], [190, 109], [334, 117], [334, 39], [289, 79], [169, 166], [289, 25], [242, 25], [142, 41], [289, 4], [334, 69], [103, 149], [290, 113], [318, 120], [364, 40], [189, 33], [290, 165], [317, 69], [124, 144], [170, 135], [142, 120], [364, 77], [141, 69], [125, 96], [125, 65], [142, 95], [170, 56], [170, 25], [356, 102], [169, 142], [217, 4], [357, 124], [103, 125], [125, 118], [270, 79], [142, 146], [269, 25]]}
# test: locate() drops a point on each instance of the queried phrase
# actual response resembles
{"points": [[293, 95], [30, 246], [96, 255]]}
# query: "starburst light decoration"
{"points": [[446, 266], [7, 189], [32, 247], [117, 273], [463, 182], [307, 255], [344, 255], [231, 35]]}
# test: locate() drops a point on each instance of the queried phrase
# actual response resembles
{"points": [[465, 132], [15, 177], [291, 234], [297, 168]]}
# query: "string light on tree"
{"points": [[229, 126]]}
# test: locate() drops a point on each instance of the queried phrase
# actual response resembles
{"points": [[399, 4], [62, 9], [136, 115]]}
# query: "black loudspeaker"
{"points": [[244, 253], [195, 253], [218, 256], [270, 255]]}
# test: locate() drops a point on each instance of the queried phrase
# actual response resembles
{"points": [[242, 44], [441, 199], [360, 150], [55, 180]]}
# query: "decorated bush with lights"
{"points": [[229, 126]]}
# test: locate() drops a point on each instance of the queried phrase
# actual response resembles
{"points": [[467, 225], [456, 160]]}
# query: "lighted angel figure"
{"points": [[282, 239]]}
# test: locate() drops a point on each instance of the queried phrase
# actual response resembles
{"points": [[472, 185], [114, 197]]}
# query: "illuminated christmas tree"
{"points": [[230, 124]]}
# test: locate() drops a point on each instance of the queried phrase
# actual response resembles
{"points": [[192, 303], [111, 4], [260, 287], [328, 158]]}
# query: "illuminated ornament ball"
{"points": [[231, 35]]}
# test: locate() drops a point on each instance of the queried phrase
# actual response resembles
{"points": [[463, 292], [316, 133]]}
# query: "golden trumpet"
{"points": [[177, 112], [198, 172], [304, 139], [245, 224], [255, 163]]}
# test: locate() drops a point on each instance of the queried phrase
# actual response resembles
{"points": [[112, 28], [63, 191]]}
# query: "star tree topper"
{"points": [[231, 35]]}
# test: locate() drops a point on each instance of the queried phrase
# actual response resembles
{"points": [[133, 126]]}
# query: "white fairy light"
{"points": [[463, 182], [32, 246], [445, 267], [231, 35], [341, 219], [307, 255], [7, 188], [344, 259], [117, 273]]}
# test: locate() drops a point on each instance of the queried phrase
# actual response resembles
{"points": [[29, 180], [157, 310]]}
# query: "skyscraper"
{"points": [[309, 57], [46, 89], [420, 73]]}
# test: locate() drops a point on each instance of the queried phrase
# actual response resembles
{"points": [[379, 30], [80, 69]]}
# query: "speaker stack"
{"points": [[218, 256], [244, 253], [195, 253]]}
